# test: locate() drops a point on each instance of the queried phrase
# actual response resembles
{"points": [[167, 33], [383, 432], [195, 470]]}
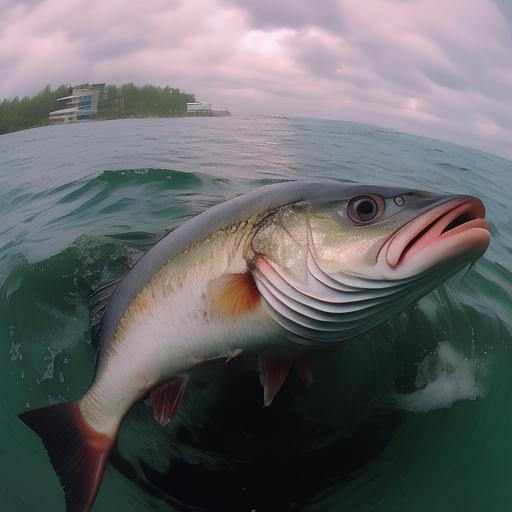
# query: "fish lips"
{"points": [[453, 231]]}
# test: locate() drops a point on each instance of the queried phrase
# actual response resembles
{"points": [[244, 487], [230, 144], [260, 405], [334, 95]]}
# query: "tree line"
{"points": [[115, 102], [131, 100]]}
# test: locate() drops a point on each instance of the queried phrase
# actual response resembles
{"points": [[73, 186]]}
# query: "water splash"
{"points": [[53, 352], [443, 378], [15, 352]]}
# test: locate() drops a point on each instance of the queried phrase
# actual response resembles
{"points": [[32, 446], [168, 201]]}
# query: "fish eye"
{"points": [[365, 208]]}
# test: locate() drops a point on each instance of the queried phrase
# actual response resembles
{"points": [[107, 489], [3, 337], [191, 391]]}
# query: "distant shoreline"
{"points": [[213, 113], [99, 101], [148, 116]]}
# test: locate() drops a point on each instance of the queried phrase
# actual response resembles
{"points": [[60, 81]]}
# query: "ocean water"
{"points": [[413, 416]]}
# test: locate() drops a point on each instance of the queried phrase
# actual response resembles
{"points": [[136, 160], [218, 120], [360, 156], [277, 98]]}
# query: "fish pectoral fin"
{"points": [[234, 294], [167, 397], [234, 355], [273, 372], [77, 452]]}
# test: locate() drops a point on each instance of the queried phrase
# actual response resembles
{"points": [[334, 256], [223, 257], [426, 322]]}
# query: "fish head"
{"points": [[348, 257], [385, 234]]}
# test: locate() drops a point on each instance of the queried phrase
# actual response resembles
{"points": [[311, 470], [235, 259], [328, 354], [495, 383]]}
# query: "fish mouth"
{"points": [[453, 230]]}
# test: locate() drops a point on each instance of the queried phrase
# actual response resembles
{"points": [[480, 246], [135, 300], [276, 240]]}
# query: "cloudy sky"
{"points": [[440, 68]]}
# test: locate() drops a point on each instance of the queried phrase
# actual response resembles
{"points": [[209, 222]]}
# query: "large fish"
{"points": [[276, 272]]}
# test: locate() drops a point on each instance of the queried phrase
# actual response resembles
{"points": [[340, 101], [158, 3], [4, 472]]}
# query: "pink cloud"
{"points": [[435, 68]]}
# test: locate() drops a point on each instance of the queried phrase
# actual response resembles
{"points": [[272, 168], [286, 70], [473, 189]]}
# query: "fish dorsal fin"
{"points": [[167, 397], [98, 300], [136, 243], [235, 294], [273, 372]]}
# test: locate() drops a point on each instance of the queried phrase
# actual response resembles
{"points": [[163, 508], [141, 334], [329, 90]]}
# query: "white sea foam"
{"points": [[443, 378], [53, 352]]}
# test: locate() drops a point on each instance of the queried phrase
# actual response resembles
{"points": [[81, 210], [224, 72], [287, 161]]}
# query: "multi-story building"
{"points": [[81, 104], [200, 108]]}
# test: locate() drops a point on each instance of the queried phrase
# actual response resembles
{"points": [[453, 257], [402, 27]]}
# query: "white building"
{"points": [[199, 107], [82, 103]]}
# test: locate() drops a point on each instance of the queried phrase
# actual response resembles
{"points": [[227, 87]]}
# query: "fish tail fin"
{"points": [[77, 452]]}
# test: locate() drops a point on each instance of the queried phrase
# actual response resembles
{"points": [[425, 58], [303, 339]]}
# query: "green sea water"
{"points": [[413, 416]]}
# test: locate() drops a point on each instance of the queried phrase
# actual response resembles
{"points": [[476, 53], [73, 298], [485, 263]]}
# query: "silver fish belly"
{"points": [[174, 324]]}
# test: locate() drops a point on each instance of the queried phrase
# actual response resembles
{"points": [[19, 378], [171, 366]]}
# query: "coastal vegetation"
{"points": [[17, 114], [116, 101], [129, 100]]}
